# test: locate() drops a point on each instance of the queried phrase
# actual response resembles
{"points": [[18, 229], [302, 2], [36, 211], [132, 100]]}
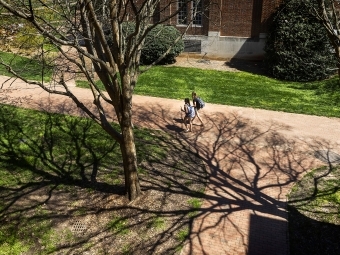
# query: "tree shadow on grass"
{"points": [[64, 191], [249, 66], [309, 236], [54, 146], [50, 149], [330, 88]]}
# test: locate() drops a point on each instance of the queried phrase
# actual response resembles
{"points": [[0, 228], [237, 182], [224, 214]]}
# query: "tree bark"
{"points": [[129, 155], [337, 52], [128, 147]]}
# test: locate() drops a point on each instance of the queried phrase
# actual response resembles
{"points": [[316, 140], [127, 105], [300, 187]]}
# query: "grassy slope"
{"points": [[241, 89], [28, 68]]}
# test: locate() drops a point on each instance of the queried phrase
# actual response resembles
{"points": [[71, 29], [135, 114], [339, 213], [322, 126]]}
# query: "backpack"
{"points": [[200, 102], [191, 111]]}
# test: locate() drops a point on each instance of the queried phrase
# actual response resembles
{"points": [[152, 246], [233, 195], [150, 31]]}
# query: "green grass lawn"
{"points": [[28, 68], [49, 141], [241, 89]]}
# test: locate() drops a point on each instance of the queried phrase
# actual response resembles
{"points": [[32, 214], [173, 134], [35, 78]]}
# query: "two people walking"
{"points": [[191, 111]]}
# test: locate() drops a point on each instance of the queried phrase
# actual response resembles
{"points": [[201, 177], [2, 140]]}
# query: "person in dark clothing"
{"points": [[196, 106]]}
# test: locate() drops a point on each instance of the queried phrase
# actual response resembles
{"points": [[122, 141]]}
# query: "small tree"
{"points": [[328, 13], [65, 26], [297, 47]]}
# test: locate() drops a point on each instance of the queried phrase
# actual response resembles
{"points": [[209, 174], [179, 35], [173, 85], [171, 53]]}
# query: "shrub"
{"points": [[297, 47], [158, 41]]}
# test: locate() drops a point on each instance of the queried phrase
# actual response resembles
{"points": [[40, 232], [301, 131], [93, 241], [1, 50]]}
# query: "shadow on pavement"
{"points": [[250, 172]]}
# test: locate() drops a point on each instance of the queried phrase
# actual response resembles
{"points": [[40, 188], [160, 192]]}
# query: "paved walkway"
{"points": [[253, 157]]}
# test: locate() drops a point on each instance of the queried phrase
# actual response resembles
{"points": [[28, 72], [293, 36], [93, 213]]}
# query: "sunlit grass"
{"points": [[317, 195], [118, 225], [241, 89], [30, 69]]}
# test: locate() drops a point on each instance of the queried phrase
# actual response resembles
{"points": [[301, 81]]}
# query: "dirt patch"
{"points": [[230, 65]]}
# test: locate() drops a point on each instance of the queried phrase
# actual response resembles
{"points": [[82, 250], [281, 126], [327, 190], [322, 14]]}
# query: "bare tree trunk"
{"points": [[128, 150], [337, 52], [128, 147]]}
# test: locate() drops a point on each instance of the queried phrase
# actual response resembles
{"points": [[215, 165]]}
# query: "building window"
{"points": [[197, 12], [195, 8], [182, 12]]}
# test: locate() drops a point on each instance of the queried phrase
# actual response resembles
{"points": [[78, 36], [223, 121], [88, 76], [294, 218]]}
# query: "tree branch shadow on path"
{"points": [[250, 172]]}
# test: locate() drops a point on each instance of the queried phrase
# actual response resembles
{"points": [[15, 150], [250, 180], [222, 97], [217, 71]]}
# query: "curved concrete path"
{"points": [[253, 158]]}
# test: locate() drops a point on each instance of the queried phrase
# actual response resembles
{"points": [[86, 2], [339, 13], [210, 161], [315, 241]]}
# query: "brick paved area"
{"points": [[253, 158]]}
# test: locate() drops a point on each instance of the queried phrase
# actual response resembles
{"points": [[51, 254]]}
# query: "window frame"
{"points": [[194, 11], [198, 9], [182, 15]]}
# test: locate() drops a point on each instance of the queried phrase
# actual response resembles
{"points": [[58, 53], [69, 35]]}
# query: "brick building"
{"points": [[223, 28]]}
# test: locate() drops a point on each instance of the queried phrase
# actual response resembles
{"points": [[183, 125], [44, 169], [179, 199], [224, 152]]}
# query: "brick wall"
{"points": [[241, 18], [238, 18], [192, 30], [215, 14], [268, 9]]}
